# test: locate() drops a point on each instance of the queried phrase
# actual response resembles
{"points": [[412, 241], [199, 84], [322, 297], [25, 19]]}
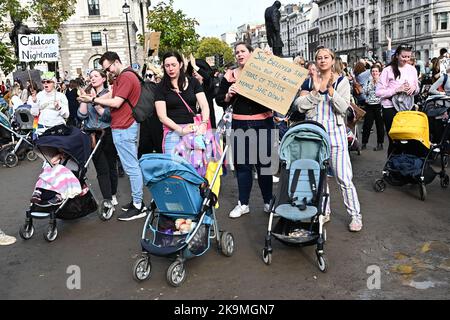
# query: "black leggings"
{"points": [[106, 166], [388, 117], [373, 112]]}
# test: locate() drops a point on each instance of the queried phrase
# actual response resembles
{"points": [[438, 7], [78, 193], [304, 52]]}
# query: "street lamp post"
{"points": [[415, 34], [105, 32], [126, 10], [289, 37]]}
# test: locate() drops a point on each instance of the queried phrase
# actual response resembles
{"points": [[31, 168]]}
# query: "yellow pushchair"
{"points": [[410, 160]]}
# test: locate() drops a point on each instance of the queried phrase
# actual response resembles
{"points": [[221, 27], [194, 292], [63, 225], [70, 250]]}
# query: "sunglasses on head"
{"points": [[405, 47], [47, 81], [149, 75]]}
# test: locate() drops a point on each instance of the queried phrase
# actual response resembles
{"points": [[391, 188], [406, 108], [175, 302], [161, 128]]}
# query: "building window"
{"points": [[97, 64], [400, 5], [443, 20], [409, 27], [96, 38], [94, 7], [426, 23], [417, 25], [401, 29]]}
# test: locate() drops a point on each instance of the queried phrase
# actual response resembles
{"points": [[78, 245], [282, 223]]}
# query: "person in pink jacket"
{"points": [[398, 82]]}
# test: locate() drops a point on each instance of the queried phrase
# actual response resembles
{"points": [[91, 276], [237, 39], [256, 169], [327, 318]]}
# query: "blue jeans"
{"points": [[171, 141], [126, 141]]}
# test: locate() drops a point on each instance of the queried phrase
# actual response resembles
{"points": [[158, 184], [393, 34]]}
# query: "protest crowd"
{"points": [[179, 120]]}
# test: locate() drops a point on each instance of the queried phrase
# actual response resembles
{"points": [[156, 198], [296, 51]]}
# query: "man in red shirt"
{"points": [[125, 95]]}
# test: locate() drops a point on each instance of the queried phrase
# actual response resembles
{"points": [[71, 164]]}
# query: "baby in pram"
{"points": [[56, 182]]}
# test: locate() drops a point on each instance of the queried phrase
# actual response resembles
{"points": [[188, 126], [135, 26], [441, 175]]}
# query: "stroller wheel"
{"points": [[267, 256], [444, 159], [32, 156], [26, 231], [51, 234], [11, 160], [227, 244], [105, 213], [445, 181], [176, 274], [142, 269], [423, 192], [322, 263], [379, 185]]}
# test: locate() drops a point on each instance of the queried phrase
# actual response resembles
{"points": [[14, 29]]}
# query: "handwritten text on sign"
{"points": [[270, 81], [38, 47]]}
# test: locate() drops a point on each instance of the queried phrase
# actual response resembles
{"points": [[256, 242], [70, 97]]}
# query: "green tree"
{"points": [[177, 30], [211, 46], [47, 14]]}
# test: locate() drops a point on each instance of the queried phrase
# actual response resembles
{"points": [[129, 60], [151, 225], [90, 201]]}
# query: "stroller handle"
{"points": [[97, 145]]}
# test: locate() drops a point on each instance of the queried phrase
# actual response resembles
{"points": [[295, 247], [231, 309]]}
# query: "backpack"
{"points": [[146, 104]]}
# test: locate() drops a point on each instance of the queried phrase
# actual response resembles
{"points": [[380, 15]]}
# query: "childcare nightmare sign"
{"points": [[38, 47], [270, 81]]}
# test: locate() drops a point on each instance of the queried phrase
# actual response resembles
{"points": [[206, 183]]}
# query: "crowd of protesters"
{"points": [[187, 88]]}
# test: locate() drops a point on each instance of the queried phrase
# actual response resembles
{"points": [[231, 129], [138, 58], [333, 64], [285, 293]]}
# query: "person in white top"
{"points": [[51, 106], [15, 100]]}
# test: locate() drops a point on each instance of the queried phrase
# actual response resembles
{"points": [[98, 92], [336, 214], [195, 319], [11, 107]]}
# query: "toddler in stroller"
{"points": [[182, 219], [410, 160], [302, 198], [61, 191]]}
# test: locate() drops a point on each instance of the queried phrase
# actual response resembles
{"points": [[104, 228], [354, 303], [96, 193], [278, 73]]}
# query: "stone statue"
{"points": [[19, 28], [272, 18]]}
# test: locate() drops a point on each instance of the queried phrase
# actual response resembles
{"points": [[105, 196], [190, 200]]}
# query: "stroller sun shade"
{"points": [[307, 140], [157, 167], [75, 143], [411, 125]]}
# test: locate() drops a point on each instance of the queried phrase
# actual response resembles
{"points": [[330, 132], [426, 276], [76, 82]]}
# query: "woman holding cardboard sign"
{"points": [[253, 121], [327, 103]]}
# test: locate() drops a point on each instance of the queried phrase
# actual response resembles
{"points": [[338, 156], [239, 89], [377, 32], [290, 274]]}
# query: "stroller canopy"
{"points": [[307, 140], [72, 141], [411, 125], [157, 167], [24, 118]]}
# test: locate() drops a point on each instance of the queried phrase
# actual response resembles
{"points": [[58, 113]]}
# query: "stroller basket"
{"points": [[163, 242], [295, 233]]}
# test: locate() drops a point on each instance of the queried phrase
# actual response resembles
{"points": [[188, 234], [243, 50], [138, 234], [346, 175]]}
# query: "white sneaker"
{"points": [[114, 200], [275, 179], [267, 208], [6, 240], [239, 210]]}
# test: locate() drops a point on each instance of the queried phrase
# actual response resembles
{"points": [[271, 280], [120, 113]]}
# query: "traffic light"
{"points": [[221, 64]]}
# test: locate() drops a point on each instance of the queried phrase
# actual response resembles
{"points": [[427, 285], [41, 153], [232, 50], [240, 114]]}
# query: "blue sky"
{"points": [[220, 16]]}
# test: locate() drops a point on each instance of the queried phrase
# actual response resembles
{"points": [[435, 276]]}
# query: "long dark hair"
{"points": [[181, 79], [394, 62]]}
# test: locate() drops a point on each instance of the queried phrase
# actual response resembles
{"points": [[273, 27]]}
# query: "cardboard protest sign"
{"points": [[38, 47], [270, 81]]}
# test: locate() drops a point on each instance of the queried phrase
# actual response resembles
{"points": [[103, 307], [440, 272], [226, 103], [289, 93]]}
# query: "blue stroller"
{"points": [[179, 193], [302, 198]]}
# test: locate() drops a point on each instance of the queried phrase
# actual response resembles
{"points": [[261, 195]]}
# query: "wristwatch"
{"points": [[92, 101]]}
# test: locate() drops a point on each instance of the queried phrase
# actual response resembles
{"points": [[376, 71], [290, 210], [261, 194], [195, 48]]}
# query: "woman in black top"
{"points": [[256, 122], [173, 96]]}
